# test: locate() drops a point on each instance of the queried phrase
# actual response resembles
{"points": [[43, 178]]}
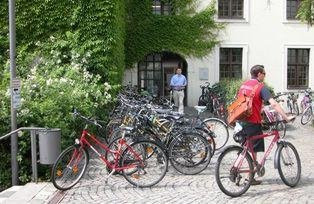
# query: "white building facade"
{"points": [[256, 32]]}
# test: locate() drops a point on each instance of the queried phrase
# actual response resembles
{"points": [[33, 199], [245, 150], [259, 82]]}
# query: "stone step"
{"points": [[33, 193]]}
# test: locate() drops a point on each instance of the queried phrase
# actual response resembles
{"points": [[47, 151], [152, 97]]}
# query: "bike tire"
{"points": [[220, 131], [72, 161], [286, 153], [208, 136], [140, 169], [189, 153], [230, 179], [307, 115], [282, 129]]}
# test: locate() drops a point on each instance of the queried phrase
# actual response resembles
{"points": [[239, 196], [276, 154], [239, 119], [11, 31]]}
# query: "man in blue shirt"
{"points": [[178, 84]]}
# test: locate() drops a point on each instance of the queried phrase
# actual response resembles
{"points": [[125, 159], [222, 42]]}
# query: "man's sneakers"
{"points": [[255, 182]]}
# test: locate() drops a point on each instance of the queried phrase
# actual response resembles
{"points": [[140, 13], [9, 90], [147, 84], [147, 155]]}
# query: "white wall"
{"points": [[265, 36]]}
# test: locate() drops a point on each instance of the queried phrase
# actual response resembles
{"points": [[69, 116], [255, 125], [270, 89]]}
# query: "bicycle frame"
{"points": [[83, 141], [248, 146]]}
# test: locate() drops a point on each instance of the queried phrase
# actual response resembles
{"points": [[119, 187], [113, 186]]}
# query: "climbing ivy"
{"points": [[54, 40], [186, 31], [98, 25], [306, 11]]}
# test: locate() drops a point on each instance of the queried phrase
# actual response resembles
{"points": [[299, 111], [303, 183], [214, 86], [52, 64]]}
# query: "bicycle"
{"points": [[270, 116], [131, 160], [292, 103], [203, 99], [213, 129], [236, 165], [307, 107]]}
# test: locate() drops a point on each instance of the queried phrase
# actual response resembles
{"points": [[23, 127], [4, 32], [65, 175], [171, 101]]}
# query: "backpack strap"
{"points": [[254, 89]]}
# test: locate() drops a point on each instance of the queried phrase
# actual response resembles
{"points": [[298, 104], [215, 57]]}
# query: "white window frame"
{"points": [[245, 19], [245, 69], [285, 20], [285, 64]]}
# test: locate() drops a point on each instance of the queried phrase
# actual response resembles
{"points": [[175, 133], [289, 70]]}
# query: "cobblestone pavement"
{"points": [[202, 188]]}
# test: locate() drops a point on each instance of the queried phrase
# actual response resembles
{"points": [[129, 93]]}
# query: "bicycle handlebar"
{"points": [[89, 120]]}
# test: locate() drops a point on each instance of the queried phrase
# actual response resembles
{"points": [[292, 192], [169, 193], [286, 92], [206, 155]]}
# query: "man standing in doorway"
{"points": [[178, 84]]}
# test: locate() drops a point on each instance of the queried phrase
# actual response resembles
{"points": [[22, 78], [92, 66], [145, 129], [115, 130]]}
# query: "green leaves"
{"points": [[306, 11], [186, 32]]}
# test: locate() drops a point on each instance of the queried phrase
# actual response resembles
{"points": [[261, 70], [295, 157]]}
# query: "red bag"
{"points": [[241, 107]]}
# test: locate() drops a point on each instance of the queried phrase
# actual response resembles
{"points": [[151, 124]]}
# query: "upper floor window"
{"points": [[230, 9], [292, 9], [230, 63], [298, 68], [161, 7]]}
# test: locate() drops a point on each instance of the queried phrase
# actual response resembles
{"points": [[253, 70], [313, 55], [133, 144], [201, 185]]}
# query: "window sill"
{"points": [[220, 20], [292, 22]]}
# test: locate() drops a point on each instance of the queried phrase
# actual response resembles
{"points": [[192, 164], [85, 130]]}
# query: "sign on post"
{"points": [[16, 93]]}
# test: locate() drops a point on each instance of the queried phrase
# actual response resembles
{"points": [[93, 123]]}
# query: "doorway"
{"points": [[155, 72]]}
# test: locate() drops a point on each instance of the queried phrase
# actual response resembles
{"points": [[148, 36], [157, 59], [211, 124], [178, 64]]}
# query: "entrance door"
{"points": [[156, 70], [168, 72]]}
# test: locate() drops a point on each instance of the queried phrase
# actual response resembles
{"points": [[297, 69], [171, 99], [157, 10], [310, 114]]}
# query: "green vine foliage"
{"points": [[186, 32], [306, 11], [99, 26], [66, 50]]}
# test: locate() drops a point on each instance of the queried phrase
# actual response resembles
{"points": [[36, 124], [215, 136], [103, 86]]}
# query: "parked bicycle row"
{"points": [[139, 141], [303, 106], [212, 97], [142, 137]]}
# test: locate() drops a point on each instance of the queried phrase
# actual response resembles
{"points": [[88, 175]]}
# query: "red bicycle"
{"points": [[142, 163], [236, 166]]}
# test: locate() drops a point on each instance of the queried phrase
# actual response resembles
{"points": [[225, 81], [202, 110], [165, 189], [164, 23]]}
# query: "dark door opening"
{"points": [[156, 70]]}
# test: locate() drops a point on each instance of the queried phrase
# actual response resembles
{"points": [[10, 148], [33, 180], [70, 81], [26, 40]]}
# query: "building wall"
{"points": [[265, 36]]}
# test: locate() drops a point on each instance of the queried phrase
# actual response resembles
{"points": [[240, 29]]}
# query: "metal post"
{"points": [[34, 155], [14, 144]]}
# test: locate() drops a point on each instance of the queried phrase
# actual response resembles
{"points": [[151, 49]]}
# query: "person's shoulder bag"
{"points": [[242, 107]]}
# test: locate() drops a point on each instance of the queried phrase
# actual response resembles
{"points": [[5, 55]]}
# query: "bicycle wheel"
{"points": [[190, 153], [220, 131], [69, 167], [307, 115], [114, 147], [282, 128], [289, 164], [142, 170], [208, 136], [234, 180]]}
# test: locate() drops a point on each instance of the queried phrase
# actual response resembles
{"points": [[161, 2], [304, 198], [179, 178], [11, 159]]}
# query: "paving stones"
{"points": [[202, 188]]}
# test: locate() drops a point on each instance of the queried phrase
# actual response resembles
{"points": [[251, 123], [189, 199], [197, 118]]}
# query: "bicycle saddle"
{"points": [[200, 109]]}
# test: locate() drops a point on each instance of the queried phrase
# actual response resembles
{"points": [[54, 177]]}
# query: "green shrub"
{"points": [[230, 87], [54, 80]]}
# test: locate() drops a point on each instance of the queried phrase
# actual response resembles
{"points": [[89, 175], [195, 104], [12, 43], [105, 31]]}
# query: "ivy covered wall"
{"points": [[98, 27], [185, 32], [66, 50]]}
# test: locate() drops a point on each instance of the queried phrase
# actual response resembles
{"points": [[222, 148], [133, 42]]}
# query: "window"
{"points": [[292, 9], [230, 63], [298, 68], [149, 74], [230, 9], [160, 7]]}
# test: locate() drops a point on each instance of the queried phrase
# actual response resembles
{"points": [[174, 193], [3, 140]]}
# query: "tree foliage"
{"points": [[306, 11], [186, 31], [66, 50]]}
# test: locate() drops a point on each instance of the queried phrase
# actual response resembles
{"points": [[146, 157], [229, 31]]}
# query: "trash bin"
{"points": [[49, 145]]}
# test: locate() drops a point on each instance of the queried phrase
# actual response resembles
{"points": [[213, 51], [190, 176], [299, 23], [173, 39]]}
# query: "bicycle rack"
{"points": [[33, 131]]}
